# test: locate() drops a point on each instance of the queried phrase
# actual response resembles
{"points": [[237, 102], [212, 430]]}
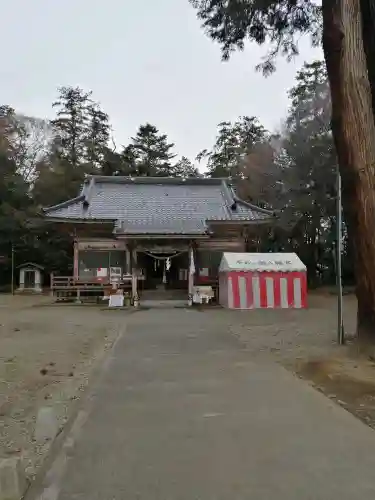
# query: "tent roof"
{"points": [[282, 262]]}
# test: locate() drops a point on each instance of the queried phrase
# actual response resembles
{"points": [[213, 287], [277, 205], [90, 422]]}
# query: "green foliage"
{"points": [[113, 163], [97, 135], [308, 168], [78, 146], [7, 128], [14, 208], [71, 124], [151, 152], [185, 168], [309, 145], [234, 141], [231, 23]]}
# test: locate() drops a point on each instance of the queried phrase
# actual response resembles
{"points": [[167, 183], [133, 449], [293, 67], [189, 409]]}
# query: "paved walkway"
{"points": [[183, 412]]}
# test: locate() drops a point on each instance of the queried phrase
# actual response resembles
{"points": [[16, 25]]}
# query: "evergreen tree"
{"points": [[129, 161], [70, 128], [112, 162], [123, 163], [151, 152], [349, 50], [234, 142], [185, 168], [97, 135], [7, 128], [310, 176], [14, 206], [78, 133]]}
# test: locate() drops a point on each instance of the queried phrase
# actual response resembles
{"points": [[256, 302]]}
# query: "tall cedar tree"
{"points": [[97, 135], [151, 152], [80, 134], [349, 50], [147, 155], [70, 128]]}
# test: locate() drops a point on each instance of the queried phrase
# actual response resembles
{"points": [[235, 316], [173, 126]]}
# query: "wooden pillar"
{"points": [[134, 258], [245, 238], [76, 261]]}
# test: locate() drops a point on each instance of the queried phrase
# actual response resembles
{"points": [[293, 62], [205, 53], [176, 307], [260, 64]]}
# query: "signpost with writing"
{"points": [[273, 263]]}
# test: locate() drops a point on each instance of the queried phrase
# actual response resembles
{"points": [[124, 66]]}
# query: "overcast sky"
{"points": [[144, 60]]}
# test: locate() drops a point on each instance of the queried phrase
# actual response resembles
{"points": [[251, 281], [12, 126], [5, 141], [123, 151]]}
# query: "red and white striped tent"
{"points": [[262, 280]]}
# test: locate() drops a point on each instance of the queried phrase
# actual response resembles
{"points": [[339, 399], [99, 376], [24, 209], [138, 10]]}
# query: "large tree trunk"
{"points": [[368, 31], [354, 135]]}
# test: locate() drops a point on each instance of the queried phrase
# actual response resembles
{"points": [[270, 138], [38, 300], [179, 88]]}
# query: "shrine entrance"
{"points": [[164, 270]]}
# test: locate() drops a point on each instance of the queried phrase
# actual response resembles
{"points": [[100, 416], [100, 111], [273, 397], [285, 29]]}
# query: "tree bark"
{"points": [[368, 32], [354, 135]]}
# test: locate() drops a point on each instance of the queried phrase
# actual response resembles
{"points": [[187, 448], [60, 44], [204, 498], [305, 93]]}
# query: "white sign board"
{"points": [[282, 262], [116, 300], [102, 272]]}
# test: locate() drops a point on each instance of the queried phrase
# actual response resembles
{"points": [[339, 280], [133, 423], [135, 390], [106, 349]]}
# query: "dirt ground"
{"points": [[46, 356], [305, 342]]}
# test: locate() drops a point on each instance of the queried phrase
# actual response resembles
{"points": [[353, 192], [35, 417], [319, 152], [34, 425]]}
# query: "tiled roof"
{"points": [[146, 205]]}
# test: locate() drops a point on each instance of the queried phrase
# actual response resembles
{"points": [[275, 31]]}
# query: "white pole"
{"points": [[340, 321], [191, 276]]}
